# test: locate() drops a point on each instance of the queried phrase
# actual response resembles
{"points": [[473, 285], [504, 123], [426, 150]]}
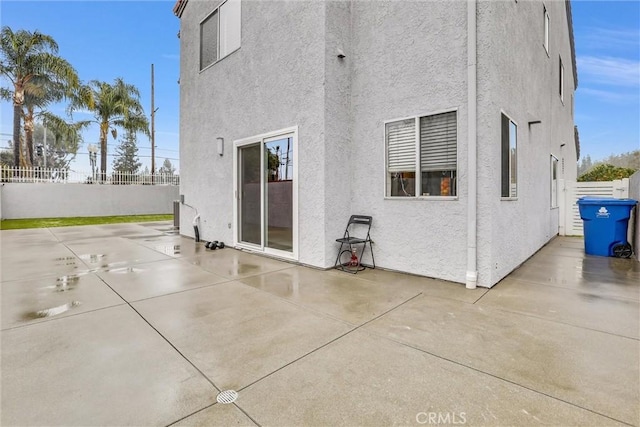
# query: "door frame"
{"points": [[260, 139]]}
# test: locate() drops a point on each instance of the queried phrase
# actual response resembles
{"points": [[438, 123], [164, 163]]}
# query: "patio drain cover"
{"points": [[227, 396]]}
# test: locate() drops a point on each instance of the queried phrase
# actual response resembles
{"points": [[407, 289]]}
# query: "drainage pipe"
{"points": [[195, 227], [196, 220], [472, 196]]}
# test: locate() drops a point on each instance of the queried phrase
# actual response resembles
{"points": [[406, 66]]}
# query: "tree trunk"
{"points": [[28, 133], [17, 113], [104, 129], [18, 100]]}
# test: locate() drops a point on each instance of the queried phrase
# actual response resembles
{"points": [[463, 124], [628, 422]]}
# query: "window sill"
{"points": [[424, 198], [508, 199], [214, 63]]}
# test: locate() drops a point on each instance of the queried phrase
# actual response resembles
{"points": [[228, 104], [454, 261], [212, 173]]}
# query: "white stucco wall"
{"points": [[516, 76], [409, 58], [274, 81], [402, 59], [21, 200], [338, 160]]}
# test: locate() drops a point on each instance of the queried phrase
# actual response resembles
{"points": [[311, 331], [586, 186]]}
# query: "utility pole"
{"points": [[153, 132], [44, 149]]}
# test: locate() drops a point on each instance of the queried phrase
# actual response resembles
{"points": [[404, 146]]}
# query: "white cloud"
{"points": [[611, 96], [609, 70], [611, 38], [83, 112]]}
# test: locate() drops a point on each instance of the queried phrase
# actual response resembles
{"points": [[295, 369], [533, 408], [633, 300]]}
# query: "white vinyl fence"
{"points": [[51, 193], [570, 222], [64, 176]]}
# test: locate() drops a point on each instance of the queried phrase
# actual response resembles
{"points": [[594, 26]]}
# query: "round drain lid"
{"points": [[227, 396]]}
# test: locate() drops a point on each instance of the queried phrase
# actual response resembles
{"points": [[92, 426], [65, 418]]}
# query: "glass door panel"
{"points": [[250, 195], [278, 178]]}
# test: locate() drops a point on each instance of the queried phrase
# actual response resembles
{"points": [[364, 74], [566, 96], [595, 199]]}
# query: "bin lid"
{"points": [[591, 200]]}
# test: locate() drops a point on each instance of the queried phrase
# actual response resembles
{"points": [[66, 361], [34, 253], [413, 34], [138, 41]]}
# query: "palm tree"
{"points": [[26, 57], [114, 106]]}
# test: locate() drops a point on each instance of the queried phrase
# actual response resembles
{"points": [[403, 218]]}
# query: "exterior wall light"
{"points": [[220, 146]]}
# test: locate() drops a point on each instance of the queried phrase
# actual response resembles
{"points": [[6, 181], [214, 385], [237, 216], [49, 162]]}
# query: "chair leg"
{"points": [[372, 257], [335, 264]]}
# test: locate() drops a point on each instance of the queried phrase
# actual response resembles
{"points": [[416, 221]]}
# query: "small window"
{"points": [[220, 33], [546, 29], [561, 82], [509, 158], [422, 156], [554, 181]]}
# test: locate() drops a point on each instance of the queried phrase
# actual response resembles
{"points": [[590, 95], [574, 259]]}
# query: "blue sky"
{"points": [[607, 109], [109, 39], [104, 40]]}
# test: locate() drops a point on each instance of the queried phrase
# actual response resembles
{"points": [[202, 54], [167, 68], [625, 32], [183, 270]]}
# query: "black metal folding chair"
{"points": [[348, 259]]}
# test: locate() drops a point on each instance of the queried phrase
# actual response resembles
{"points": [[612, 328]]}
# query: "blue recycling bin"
{"points": [[605, 221]]}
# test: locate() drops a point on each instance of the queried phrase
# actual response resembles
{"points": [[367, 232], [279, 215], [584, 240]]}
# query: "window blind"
{"points": [[230, 22], [438, 142], [401, 146]]}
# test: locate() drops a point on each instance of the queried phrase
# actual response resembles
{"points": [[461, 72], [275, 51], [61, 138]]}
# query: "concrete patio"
{"points": [[131, 324]]}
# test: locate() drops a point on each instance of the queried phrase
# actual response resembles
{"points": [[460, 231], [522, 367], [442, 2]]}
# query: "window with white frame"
{"points": [[554, 181], [546, 29], [509, 158], [422, 156], [561, 82], [220, 33]]}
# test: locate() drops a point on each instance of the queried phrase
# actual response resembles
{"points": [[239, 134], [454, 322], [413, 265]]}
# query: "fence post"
{"points": [[562, 208]]}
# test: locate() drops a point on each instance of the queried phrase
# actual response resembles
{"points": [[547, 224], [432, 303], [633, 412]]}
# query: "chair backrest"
{"points": [[358, 220]]}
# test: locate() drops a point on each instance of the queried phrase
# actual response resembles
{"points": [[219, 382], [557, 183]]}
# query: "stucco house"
{"points": [[449, 122]]}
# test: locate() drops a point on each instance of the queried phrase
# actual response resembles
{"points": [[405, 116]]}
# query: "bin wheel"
{"points": [[622, 251]]}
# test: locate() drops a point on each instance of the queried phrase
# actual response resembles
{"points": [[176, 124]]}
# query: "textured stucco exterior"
{"points": [[33, 200], [402, 59], [517, 76], [274, 81], [417, 66]]}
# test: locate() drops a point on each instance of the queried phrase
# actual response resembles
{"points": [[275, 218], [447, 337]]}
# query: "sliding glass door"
{"points": [[266, 211]]}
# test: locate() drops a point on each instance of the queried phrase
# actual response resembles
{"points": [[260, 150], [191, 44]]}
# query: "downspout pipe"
{"points": [[472, 175]]}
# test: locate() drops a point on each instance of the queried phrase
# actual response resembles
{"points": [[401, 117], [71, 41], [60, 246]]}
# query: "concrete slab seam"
{"points": [[496, 377]]}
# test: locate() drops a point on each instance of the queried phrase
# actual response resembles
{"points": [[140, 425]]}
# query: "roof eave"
{"points": [[571, 42], [178, 8]]}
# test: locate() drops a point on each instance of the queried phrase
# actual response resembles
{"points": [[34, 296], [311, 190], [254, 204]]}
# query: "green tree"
{"points": [[27, 59], [114, 106], [606, 172], [6, 155], [127, 161], [63, 141], [167, 168], [584, 165]]}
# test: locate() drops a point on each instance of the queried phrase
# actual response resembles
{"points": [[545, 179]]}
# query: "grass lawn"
{"points": [[13, 224]]}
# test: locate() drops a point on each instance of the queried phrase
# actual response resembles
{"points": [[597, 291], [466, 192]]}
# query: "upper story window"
{"points": [[509, 158], [220, 33], [561, 83], [546, 29], [422, 156]]}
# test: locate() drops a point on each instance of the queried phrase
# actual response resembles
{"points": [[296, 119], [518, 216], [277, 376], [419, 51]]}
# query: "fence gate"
{"points": [[570, 222]]}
